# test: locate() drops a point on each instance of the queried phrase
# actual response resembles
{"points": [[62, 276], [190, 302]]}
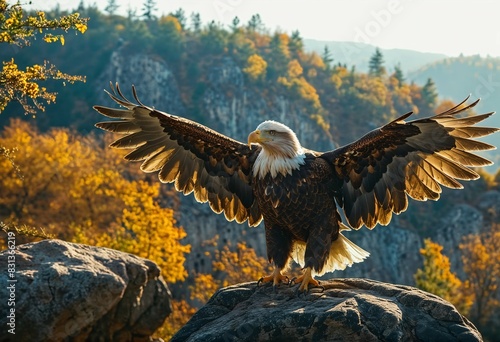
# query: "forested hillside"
{"points": [[60, 175], [459, 76], [273, 62]]}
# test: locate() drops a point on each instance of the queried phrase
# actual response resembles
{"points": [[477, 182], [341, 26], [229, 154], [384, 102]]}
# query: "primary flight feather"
{"points": [[296, 190]]}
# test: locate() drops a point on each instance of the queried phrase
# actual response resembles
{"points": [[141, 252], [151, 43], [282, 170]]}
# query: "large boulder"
{"points": [[347, 310], [74, 292]]}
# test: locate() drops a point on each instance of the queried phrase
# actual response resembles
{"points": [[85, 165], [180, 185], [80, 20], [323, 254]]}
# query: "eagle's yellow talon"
{"points": [[305, 280], [276, 277]]}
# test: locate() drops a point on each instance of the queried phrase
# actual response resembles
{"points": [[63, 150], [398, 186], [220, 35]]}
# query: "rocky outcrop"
{"points": [[394, 254], [460, 221], [74, 292], [347, 310], [155, 83]]}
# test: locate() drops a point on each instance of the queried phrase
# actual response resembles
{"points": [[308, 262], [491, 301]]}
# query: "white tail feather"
{"points": [[343, 253]]}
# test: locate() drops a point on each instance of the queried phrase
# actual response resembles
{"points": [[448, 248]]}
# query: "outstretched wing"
{"points": [[377, 172], [197, 159]]}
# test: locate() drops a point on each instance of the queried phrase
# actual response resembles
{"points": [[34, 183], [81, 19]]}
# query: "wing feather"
{"points": [[193, 157], [378, 172]]}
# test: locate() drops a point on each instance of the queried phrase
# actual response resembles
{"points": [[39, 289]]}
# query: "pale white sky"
{"points": [[443, 26]]}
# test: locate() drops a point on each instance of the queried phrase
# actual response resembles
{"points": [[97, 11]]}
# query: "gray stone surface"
{"points": [[348, 310], [74, 292]]}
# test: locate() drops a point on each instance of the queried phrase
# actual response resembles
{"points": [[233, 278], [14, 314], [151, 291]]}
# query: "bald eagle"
{"points": [[297, 191]]}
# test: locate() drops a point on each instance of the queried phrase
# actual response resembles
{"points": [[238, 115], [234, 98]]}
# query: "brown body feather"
{"points": [[300, 208], [369, 179]]}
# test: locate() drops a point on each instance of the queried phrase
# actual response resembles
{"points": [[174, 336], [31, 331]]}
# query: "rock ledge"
{"points": [[349, 309], [74, 292]]}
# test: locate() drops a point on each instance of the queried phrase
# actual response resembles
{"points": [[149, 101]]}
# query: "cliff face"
{"points": [[230, 107]]}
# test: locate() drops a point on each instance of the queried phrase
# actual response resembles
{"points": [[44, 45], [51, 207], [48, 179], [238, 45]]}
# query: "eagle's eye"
{"points": [[272, 132]]}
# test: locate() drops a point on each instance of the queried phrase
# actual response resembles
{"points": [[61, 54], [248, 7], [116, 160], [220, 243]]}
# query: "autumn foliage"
{"points": [[481, 260], [477, 296], [436, 277], [23, 85], [74, 187], [81, 191]]}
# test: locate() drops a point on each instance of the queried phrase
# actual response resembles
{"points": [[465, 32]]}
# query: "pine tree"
{"points": [[398, 74], [376, 64], [181, 17], [429, 93], [327, 57], [111, 7], [255, 23], [149, 7], [295, 45], [196, 22], [235, 23]]}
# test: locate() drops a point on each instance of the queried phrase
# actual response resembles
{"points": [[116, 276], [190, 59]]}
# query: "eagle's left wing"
{"points": [[216, 168], [376, 173]]}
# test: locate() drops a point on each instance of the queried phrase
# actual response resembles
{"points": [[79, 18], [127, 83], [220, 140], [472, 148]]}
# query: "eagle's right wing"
{"points": [[376, 173], [216, 168]]}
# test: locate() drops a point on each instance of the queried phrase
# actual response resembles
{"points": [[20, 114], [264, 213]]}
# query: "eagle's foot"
{"points": [[276, 278], [305, 280]]}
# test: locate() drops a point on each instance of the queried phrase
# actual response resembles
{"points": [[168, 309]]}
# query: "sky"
{"points": [[450, 27]]}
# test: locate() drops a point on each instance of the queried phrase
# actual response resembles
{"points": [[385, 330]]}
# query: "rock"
{"points": [[460, 221], [394, 254], [155, 83], [74, 292], [348, 310], [489, 204]]}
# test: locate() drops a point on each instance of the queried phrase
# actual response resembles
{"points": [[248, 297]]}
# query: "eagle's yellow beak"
{"points": [[254, 137]]}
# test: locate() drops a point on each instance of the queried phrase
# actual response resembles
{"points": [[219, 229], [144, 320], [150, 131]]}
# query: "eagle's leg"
{"points": [[317, 251], [279, 248], [305, 280], [276, 277]]}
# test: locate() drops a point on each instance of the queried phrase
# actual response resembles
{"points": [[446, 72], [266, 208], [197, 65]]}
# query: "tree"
{"points": [[429, 94], [376, 64], [256, 67], [196, 22], [214, 39], [148, 10], [295, 44], [111, 7], [327, 57], [131, 13], [436, 277], [235, 24], [278, 55], [398, 74], [19, 29], [169, 38], [83, 192], [146, 230], [181, 17], [255, 23], [481, 260], [239, 266]]}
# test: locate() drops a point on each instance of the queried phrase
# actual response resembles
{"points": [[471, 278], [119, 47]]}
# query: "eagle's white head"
{"points": [[281, 150]]}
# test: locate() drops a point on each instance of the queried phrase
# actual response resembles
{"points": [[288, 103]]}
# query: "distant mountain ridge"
{"points": [[454, 77], [358, 54], [457, 77]]}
